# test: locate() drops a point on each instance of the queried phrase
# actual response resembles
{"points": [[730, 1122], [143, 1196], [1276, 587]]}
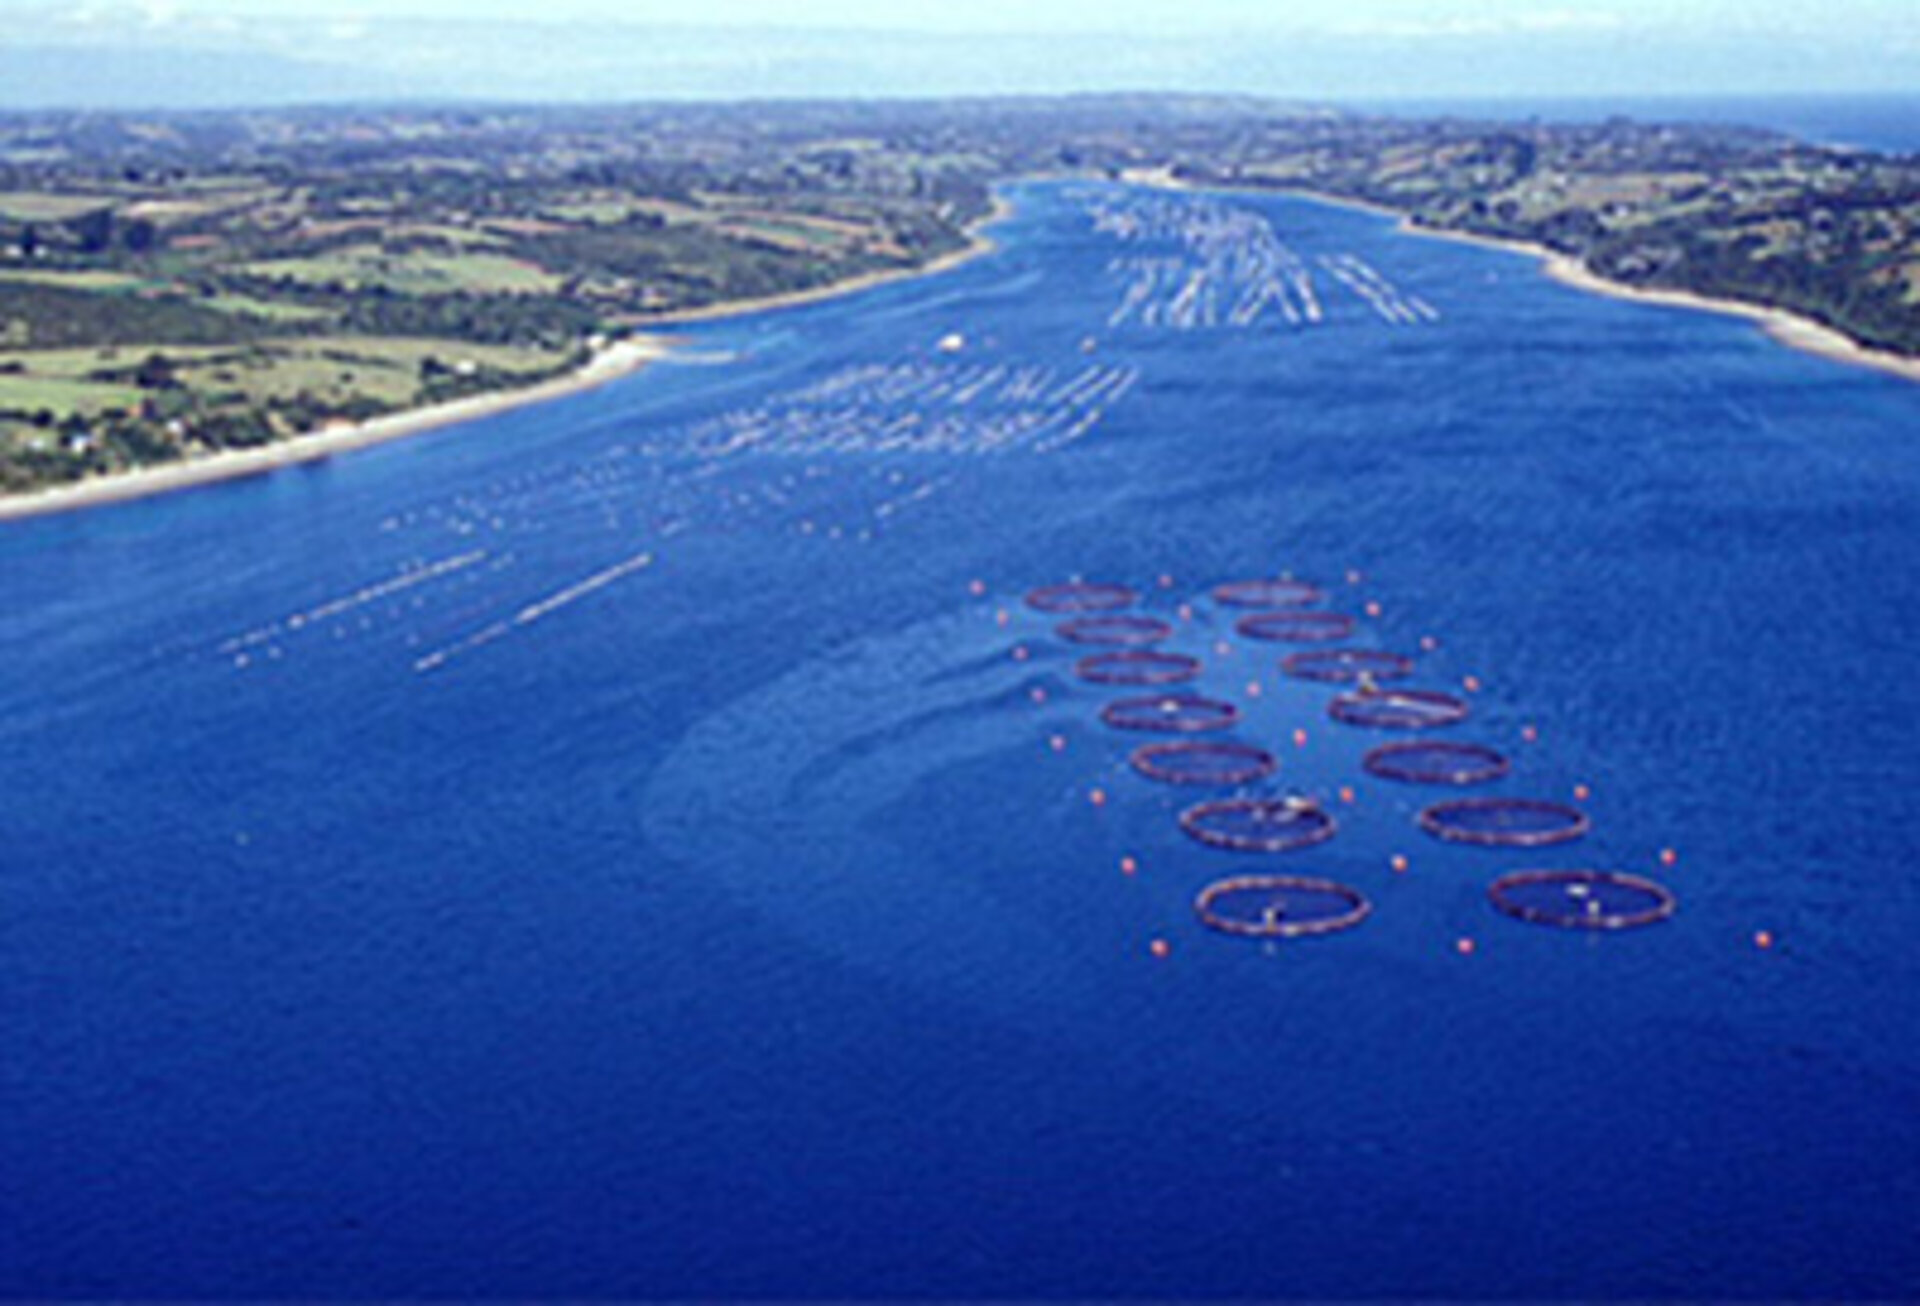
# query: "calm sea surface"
{"points": [[613, 849], [1887, 123]]}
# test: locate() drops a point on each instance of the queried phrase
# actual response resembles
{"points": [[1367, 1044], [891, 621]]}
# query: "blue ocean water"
{"points": [[1887, 123], [617, 848]]}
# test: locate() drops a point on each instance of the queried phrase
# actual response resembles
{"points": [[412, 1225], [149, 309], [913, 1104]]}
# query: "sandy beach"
{"points": [[1789, 329], [617, 360]]}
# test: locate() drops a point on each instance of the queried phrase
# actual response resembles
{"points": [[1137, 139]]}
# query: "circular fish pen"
{"points": [[1115, 632], [1081, 596], [1280, 907], [1171, 714], [1398, 709], [1345, 666], [1219, 763], [1268, 594], [1137, 667], [1583, 900], [1259, 825], [1505, 822], [1296, 627], [1436, 762]]}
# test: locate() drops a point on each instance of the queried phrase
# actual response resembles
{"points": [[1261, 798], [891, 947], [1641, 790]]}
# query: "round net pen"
{"points": [[1397, 709], [1137, 667], [1259, 825], [1583, 900], [1436, 762], [1115, 632], [1216, 763], [1268, 594], [1081, 596], [1171, 714], [1308, 627], [1504, 822], [1280, 907], [1345, 666]]}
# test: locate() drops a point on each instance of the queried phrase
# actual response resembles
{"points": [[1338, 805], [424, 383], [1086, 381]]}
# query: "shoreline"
{"points": [[620, 359], [1784, 327], [979, 243]]}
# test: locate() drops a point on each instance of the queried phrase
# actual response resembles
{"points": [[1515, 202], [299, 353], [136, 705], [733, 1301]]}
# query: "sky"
{"points": [[1357, 51]]}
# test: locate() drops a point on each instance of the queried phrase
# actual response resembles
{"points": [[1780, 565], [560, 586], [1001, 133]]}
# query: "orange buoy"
{"points": [[1530, 734], [1185, 611], [1373, 609], [1763, 939], [1253, 689], [1222, 648], [1161, 949], [1465, 947], [1471, 684], [1581, 793], [1098, 797], [977, 588], [1166, 581], [1020, 653], [1299, 739], [1037, 694], [1346, 794], [1428, 643], [1002, 617], [1058, 743], [1668, 857], [1353, 578], [1399, 864], [1128, 866]]}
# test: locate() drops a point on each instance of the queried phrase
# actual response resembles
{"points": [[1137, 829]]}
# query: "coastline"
{"points": [[1789, 329], [622, 358], [978, 243], [1786, 328]]}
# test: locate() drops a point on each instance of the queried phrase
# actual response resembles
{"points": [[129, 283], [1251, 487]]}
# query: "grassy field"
{"points": [[361, 267], [64, 397], [109, 282], [387, 370], [384, 369], [267, 310], [33, 206]]}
